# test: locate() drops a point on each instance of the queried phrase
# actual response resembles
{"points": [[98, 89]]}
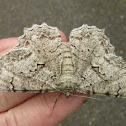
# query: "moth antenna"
{"points": [[55, 104], [89, 97]]}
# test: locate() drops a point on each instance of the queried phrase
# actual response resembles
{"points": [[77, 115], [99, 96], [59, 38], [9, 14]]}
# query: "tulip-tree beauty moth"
{"points": [[42, 63]]}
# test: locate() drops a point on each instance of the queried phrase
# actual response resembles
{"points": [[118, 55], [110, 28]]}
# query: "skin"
{"points": [[33, 109]]}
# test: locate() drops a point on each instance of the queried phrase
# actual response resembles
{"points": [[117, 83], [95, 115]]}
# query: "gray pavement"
{"points": [[66, 15]]}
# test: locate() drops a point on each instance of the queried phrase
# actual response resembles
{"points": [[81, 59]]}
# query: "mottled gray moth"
{"points": [[42, 63]]}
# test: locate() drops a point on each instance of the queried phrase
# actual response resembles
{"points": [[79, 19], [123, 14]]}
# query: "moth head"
{"points": [[67, 94], [67, 91]]}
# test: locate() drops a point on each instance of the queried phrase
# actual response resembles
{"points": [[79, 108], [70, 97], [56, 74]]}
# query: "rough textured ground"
{"points": [[66, 15]]}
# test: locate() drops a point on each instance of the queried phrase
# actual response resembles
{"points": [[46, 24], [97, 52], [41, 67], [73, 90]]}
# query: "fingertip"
{"points": [[7, 44], [63, 36], [9, 41]]}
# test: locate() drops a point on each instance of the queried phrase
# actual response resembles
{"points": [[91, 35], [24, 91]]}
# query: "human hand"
{"points": [[33, 109]]}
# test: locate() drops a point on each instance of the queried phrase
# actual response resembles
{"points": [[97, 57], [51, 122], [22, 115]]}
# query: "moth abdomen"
{"points": [[67, 64]]}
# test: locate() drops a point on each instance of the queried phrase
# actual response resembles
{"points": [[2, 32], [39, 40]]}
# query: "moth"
{"points": [[42, 63]]}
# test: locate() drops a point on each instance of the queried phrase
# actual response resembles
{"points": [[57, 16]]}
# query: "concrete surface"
{"points": [[66, 15]]}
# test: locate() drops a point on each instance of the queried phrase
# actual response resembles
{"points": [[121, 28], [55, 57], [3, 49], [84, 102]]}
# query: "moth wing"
{"points": [[34, 64], [99, 70]]}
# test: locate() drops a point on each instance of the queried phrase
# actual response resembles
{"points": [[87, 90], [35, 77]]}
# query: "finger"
{"points": [[7, 44], [10, 99], [36, 110], [63, 37], [66, 106]]}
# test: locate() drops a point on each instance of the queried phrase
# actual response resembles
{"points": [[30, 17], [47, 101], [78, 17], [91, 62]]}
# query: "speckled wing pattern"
{"points": [[42, 63], [102, 72], [33, 65]]}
